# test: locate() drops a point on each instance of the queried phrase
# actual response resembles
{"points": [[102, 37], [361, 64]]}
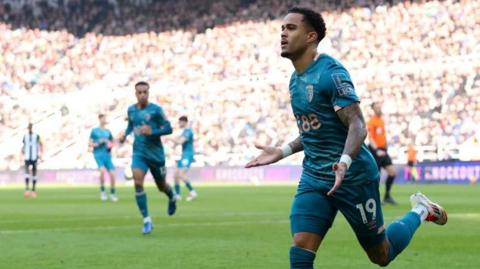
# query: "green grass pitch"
{"points": [[227, 227]]}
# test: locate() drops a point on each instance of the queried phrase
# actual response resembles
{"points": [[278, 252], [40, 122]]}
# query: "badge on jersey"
{"points": [[147, 116], [309, 93], [342, 83]]}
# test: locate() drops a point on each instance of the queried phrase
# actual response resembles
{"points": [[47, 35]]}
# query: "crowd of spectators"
{"points": [[219, 64]]}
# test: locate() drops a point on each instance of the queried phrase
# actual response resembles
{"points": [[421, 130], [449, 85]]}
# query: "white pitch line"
{"points": [[162, 225], [475, 216]]}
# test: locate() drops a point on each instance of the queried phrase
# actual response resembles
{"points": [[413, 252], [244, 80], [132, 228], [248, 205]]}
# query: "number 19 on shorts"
{"points": [[369, 207]]}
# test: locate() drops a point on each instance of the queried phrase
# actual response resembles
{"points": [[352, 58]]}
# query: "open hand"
{"points": [[269, 155], [340, 170]]}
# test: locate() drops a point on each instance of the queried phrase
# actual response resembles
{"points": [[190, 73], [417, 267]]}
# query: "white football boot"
{"points": [[436, 213], [192, 195], [113, 198], [103, 196]]}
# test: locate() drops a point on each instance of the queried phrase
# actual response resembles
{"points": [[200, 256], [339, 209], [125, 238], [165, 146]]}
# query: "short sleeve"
{"points": [[339, 86]]}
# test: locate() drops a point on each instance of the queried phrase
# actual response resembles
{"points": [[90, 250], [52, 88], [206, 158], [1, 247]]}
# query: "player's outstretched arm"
{"points": [[274, 154], [352, 117]]}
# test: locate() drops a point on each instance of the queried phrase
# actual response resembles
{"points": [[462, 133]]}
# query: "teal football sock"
{"points": [[141, 198], [177, 188], [301, 258], [400, 232], [189, 185]]}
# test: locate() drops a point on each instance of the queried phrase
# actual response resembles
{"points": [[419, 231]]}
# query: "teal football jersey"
{"points": [[187, 146], [101, 137], [316, 95], [148, 146]]}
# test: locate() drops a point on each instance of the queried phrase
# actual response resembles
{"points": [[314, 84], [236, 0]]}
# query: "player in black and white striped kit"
{"points": [[32, 150]]}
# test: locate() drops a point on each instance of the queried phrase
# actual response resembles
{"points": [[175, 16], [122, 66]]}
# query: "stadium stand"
{"points": [[70, 62]]}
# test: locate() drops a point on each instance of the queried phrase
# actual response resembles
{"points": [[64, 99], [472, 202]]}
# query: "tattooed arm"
{"points": [[296, 145], [352, 117]]}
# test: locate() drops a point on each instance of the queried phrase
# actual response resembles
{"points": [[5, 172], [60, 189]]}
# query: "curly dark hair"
{"points": [[142, 83], [312, 18]]}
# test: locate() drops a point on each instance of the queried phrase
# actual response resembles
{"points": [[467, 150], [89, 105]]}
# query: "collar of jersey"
{"points": [[310, 66], [136, 106]]}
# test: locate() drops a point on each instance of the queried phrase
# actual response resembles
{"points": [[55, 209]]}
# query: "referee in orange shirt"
{"points": [[378, 147]]}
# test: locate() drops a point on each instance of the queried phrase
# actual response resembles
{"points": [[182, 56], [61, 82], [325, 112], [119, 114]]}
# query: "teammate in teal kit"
{"points": [[148, 122], [339, 173], [186, 140], [101, 141]]}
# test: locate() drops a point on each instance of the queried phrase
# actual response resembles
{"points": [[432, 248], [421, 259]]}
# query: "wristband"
{"points": [[286, 151], [346, 159]]}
